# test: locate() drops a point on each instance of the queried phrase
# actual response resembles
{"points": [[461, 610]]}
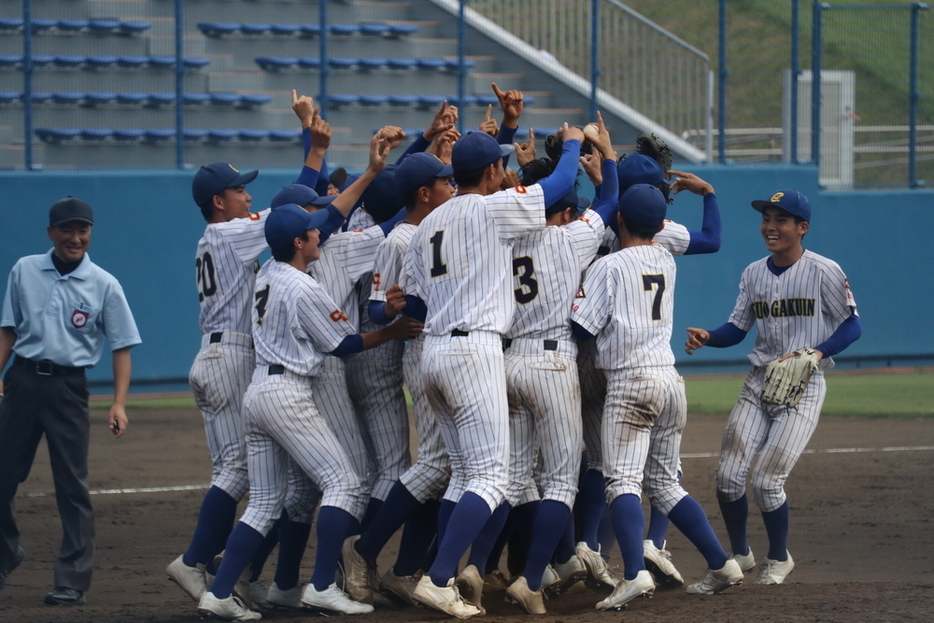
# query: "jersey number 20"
{"points": [[207, 282]]}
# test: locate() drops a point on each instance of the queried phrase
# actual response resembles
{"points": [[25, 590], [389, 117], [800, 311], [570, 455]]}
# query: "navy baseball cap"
{"points": [[381, 198], [301, 195], [213, 179], [70, 209], [790, 201], [476, 151], [569, 200], [419, 170], [638, 169], [290, 221], [643, 204]]}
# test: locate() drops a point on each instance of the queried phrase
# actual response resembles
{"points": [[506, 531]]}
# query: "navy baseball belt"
{"points": [[546, 344], [46, 367]]}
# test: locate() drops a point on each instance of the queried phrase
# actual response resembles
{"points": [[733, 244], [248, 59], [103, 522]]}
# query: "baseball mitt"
{"points": [[655, 148], [786, 380]]}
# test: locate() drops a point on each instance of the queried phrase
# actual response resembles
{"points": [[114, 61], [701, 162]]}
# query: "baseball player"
{"points": [[424, 182], [627, 301], [457, 275], [795, 298], [541, 368], [295, 324]]}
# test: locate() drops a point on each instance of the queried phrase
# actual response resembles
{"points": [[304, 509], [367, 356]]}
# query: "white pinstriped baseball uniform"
{"points": [[459, 264], [675, 237], [627, 302], [226, 265], [429, 476], [294, 323], [541, 361], [799, 308]]}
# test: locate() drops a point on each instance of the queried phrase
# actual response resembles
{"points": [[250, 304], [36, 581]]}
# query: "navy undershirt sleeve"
{"points": [[848, 332], [607, 194], [562, 178], [376, 310], [418, 145], [387, 226], [707, 240], [580, 332], [506, 136], [415, 308], [351, 344], [726, 335]]}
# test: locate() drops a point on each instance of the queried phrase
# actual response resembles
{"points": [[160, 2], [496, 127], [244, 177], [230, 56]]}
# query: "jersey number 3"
{"points": [[655, 281], [523, 268], [207, 281]]}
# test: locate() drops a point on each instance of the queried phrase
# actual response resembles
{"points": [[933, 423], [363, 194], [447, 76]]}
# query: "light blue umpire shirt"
{"points": [[66, 319]]}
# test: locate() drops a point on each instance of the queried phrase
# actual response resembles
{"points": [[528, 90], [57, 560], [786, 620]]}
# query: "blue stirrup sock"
{"points": [[485, 541], [690, 519], [588, 510], [293, 539], [334, 525], [444, 517], [776, 526], [417, 536], [240, 548], [566, 544], [735, 514], [264, 551], [469, 516], [658, 525], [215, 522], [547, 530], [372, 508], [399, 507], [628, 523]]}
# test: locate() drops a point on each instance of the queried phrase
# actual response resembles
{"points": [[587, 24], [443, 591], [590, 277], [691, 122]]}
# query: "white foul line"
{"points": [[693, 455]]}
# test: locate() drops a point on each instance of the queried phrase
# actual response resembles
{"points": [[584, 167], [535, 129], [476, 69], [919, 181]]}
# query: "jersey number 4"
{"points": [[649, 282], [207, 281]]}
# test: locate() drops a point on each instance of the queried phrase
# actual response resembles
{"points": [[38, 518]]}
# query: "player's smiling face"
{"points": [[236, 202], [440, 191], [70, 240], [780, 232]]}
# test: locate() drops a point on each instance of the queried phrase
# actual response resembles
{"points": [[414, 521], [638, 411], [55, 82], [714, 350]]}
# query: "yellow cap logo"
{"points": [[777, 197]]}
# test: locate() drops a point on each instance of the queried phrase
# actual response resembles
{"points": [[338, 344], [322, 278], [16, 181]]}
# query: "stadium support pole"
{"points": [[594, 56], [724, 73]]}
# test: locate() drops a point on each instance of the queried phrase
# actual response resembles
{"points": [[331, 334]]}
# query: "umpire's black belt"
{"points": [[46, 367]]}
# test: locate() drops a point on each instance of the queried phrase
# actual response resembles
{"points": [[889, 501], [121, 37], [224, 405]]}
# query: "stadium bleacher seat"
{"points": [[454, 64], [310, 30], [9, 61], [68, 97], [101, 61], [72, 25], [431, 63], [40, 97], [70, 61], [41, 25], [194, 134], [10, 25], [96, 134], [374, 29], [222, 135], [132, 61], [225, 99], [255, 29], [284, 136], [309, 62], [10, 97], [253, 136], [133, 98], [103, 26], [342, 62], [249, 100], [341, 99], [159, 135], [430, 101], [373, 63], [276, 63], [162, 61], [285, 30], [403, 100], [133, 27], [162, 98], [373, 100], [195, 62], [42, 60], [344, 30], [128, 134], [218, 29], [196, 99], [402, 63], [99, 98], [56, 135], [401, 30]]}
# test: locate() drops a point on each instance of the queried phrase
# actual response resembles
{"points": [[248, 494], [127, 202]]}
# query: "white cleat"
{"points": [[230, 609], [443, 598], [357, 572], [520, 594], [190, 579], [258, 592], [658, 562], [718, 580], [333, 599], [746, 562], [569, 574], [278, 598], [399, 587], [775, 571], [596, 566], [470, 586], [627, 590]]}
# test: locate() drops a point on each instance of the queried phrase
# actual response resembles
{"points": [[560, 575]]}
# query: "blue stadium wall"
{"points": [[147, 228]]}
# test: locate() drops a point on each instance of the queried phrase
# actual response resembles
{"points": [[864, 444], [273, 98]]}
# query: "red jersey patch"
{"points": [[79, 318]]}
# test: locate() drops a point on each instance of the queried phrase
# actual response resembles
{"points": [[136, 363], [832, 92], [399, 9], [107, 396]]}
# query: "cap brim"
{"points": [[448, 170], [582, 204], [505, 150], [244, 178], [73, 219], [326, 200], [762, 205]]}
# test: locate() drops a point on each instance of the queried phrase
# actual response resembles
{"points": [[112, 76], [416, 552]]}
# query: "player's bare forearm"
{"points": [[689, 181], [122, 366], [402, 328], [379, 150], [395, 301]]}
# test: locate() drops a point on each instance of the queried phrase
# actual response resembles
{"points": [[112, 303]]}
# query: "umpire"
{"points": [[58, 309]]}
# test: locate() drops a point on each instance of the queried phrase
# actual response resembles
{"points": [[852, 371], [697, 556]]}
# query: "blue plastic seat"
{"points": [[248, 100], [255, 28], [99, 98], [103, 26], [70, 61], [403, 100], [374, 29], [342, 99], [10, 24], [133, 27], [287, 30], [402, 63], [159, 135], [11, 60], [344, 29], [9, 97], [276, 63], [40, 25], [543, 132], [96, 134], [56, 135], [162, 98], [489, 98], [194, 134], [218, 29], [252, 136], [128, 134], [310, 30], [431, 63], [162, 62], [225, 99], [72, 25], [309, 62], [68, 97], [40, 97], [132, 61], [430, 101], [343, 62], [284, 136], [221, 135], [195, 62], [401, 30], [133, 98], [373, 100], [42, 60], [373, 63], [454, 64], [101, 61], [196, 99]]}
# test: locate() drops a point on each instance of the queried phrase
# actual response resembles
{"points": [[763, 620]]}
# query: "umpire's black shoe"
{"points": [[20, 556], [64, 596]]}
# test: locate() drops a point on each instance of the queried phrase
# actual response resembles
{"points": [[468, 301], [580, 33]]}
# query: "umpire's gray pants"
{"points": [[57, 405]]}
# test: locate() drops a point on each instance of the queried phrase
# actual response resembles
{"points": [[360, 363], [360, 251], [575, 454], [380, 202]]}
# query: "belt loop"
{"points": [[276, 369], [551, 344], [216, 337]]}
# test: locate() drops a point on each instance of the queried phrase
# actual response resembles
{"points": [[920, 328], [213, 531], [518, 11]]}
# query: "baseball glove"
{"points": [[785, 381], [655, 148]]}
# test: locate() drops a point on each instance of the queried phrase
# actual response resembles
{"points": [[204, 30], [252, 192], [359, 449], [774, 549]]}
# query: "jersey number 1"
{"points": [[438, 267], [650, 281]]}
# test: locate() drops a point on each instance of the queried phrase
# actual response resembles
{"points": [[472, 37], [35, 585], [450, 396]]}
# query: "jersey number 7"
{"points": [[648, 283]]}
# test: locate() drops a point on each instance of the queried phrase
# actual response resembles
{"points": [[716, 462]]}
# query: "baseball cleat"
{"points": [[357, 572], [495, 581], [597, 570], [521, 595], [399, 587], [569, 574], [746, 562], [718, 580], [242, 587], [775, 571], [65, 596], [230, 609], [333, 599], [658, 562], [258, 592], [290, 598], [17, 561], [443, 598], [190, 579], [640, 586], [470, 585]]}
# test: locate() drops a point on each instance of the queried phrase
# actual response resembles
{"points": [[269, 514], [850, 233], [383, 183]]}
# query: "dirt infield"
{"points": [[862, 532]]}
